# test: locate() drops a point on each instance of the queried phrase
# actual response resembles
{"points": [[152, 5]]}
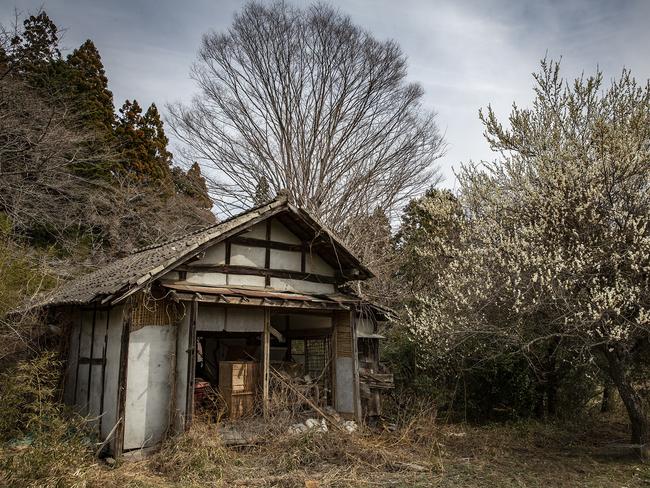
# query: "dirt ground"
{"points": [[527, 454]]}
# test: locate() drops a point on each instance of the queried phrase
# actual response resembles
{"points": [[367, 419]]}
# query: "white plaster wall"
{"points": [[214, 255], [257, 231], [244, 320], [210, 318], [246, 280], [148, 386], [301, 286], [206, 278], [315, 264], [247, 256], [111, 375], [289, 260], [280, 233]]}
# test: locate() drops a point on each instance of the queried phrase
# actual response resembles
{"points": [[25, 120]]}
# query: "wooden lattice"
{"points": [[148, 310], [343, 337]]}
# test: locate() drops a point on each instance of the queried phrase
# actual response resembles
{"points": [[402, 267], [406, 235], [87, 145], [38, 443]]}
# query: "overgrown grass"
{"points": [[43, 444], [53, 450], [197, 456]]}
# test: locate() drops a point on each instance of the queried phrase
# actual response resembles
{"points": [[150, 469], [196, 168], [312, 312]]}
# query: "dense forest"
{"points": [[523, 296]]}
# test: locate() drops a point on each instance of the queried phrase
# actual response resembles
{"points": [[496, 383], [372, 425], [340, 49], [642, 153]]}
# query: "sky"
{"points": [[465, 54]]}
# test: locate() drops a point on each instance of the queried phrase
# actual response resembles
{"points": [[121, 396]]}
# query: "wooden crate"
{"points": [[238, 384]]}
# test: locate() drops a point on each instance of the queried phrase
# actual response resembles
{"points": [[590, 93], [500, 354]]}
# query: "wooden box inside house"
{"points": [[238, 381]]}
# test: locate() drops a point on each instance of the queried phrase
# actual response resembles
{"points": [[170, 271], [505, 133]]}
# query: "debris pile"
{"points": [[329, 415], [308, 425]]}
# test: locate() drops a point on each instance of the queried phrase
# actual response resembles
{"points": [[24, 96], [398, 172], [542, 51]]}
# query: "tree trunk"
{"points": [[607, 404], [540, 391], [549, 383], [636, 411], [551, 395]]}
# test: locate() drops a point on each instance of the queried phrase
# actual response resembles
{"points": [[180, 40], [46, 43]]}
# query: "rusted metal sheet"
{"points": [[252, 297], [240, 291]]}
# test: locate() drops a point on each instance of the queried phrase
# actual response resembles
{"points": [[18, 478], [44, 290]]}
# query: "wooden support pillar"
{"points": [[266, 356], [191, 366], [355, 362], [122, 380]]}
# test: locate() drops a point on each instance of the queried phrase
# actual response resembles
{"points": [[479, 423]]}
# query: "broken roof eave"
{"points": [[257, 297]]}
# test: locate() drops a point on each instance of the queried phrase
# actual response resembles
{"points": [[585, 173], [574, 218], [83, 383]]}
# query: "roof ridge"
{"points": [[279, 197], [176, 239]]}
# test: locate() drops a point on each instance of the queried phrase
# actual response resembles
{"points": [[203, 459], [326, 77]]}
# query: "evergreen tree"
{"points": [[192, 184], [88, 85], [143, 144], [430, 225], [38, 43], [155, 136], [262, 192], [34, 52]]}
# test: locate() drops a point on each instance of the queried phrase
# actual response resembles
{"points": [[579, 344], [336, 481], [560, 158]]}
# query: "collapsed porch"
{"points": [[239, 338]]}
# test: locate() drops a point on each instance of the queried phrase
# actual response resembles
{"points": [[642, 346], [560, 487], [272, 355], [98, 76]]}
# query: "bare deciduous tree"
{"points": [[38, 148], [305, 100]]}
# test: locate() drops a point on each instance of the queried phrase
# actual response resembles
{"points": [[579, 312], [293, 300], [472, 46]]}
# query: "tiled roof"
{"points": [[139, 267], [128, 274]]}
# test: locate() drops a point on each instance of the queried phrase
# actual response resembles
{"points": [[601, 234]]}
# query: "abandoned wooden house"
{"points": [[227, 306]]}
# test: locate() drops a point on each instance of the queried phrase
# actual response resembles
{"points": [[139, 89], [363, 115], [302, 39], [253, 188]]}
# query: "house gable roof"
{"points": [[121, 278]]}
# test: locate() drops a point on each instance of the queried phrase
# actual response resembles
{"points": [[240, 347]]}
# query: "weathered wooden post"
{"points": [[266, 356]]}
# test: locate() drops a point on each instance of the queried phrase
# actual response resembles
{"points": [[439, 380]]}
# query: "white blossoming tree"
{"points": [[554, 254]]}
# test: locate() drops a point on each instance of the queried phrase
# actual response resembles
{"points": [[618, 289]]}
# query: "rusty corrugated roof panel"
{"points": [[238, 290], [256, 296]]}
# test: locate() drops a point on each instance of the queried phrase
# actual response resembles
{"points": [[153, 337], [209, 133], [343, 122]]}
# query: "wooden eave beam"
{"points": [[259, 302], [255, 271]]}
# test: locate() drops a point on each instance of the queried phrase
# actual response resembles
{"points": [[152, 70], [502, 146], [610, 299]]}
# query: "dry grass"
{"points": [[533, 454], [419, 453], [195, 457]]}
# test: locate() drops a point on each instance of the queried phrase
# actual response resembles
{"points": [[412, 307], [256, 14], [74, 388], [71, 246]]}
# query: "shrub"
{"points": [[43, 444]]}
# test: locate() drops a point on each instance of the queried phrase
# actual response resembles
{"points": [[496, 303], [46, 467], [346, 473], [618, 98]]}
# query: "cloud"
{"points": [[465, 54]]}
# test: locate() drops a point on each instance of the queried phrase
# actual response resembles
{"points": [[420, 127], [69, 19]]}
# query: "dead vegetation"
{"points": [[198, 456], [52, 448], [419, 451]]}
